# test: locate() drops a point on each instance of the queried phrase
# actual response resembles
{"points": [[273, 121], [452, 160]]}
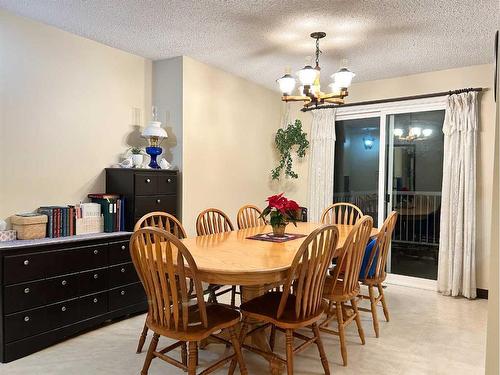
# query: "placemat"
{"points": [[271, 238]]}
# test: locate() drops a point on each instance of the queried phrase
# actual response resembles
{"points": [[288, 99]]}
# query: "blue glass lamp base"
{"points": [[153, 152]]}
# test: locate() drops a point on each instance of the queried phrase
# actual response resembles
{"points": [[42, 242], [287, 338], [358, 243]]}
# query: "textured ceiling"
{"points": [[257, 39]]}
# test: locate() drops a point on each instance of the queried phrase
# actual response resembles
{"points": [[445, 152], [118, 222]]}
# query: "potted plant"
{"points": [[281, 211], [137, 156]]}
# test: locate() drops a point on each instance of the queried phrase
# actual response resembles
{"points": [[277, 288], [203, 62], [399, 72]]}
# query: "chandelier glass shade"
{"points": [[414, 134], [309, 90]]}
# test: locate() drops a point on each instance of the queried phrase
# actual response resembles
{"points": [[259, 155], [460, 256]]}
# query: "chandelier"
{"points": [[414, 134], [310, 91]]}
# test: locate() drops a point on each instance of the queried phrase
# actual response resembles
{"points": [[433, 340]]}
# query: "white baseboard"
{"points": [[413, 282]]}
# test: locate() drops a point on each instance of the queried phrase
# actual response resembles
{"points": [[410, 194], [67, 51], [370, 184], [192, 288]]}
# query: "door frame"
{"points": [[382, 111]]}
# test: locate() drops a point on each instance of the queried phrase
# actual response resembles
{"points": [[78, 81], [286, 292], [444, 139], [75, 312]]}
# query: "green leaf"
{"points": [[285, 140]]}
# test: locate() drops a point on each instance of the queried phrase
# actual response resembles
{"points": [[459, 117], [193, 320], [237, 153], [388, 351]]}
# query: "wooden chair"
{"points": [[379, 255], [163, 264], [341, 213], [165, 221], [343, 286], [249, 216], [291, 310], [212, 221]]}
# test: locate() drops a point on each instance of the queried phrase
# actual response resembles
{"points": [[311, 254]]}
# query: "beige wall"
{"points": [[65, 113], [474, 76], [228, 127]]}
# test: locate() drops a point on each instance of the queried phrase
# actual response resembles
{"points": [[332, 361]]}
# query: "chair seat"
{"points": [[372, 281], [265, 309], [218, 317], [338, 294]]}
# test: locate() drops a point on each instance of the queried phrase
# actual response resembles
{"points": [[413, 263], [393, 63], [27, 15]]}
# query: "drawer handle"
{"points": [[96, 276], [26, 262], [64, 282], [95, 300], [123, 247], [148, 180], [169, 180], [96, 252], [26, 290], [122, 270], [26, 318], [63, 308], [122, 292], [158, 201]]}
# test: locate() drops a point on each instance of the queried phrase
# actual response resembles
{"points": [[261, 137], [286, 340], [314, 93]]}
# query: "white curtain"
{"points": [[457, 261], [322, 146]]}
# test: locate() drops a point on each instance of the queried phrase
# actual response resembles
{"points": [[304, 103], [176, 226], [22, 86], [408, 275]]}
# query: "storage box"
{"points": [[7, 235], [29, 227]]}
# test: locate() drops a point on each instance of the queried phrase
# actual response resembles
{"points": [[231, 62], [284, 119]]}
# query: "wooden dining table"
{"points": [[231, 258]]}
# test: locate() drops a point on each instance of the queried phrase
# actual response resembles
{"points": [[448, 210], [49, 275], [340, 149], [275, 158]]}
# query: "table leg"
{"points": [[259, 339]]}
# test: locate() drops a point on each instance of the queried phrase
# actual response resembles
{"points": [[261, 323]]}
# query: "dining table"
{"points": [[232, 258]]}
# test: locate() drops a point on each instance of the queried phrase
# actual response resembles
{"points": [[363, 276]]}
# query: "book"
{"points": [[108, 207], [47, 211], [122, 214]]}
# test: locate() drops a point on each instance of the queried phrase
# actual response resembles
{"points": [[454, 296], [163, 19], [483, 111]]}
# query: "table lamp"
{"points": [[154, 133]]}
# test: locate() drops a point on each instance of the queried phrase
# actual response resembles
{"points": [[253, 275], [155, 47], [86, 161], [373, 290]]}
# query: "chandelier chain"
{"points": [[318, 51]]}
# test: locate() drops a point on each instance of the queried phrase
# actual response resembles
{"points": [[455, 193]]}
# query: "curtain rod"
{"points": [[390, 100]]}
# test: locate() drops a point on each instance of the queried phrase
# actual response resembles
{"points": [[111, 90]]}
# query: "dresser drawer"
{"points": [[61, 288], [92, 281], [146, 183], [24, 324], [118, 252], [87, 258], [165, 203], [122, 274], [125, 296], [24, 296], [93, 305], [167, 184], [19, 268], [62, 314]]}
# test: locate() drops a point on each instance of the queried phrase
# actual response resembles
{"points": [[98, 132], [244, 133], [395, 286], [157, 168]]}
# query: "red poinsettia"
{"points": [[281, 210]]}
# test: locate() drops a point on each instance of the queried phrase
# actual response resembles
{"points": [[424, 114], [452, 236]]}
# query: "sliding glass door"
{"points": [[356, 171], [392, 159], [415, 172]]}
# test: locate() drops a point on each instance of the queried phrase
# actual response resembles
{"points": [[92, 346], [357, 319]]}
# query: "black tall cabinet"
{"points": [[144, 190]]}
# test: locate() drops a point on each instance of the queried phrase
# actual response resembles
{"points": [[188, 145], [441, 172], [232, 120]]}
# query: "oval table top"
{"points": [[230, 258]]}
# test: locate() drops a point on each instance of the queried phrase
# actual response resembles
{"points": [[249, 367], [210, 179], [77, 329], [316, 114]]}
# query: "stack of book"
{"points": [[61, 220], [112, 208]]}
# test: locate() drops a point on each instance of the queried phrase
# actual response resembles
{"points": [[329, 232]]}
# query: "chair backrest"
{"points": [[161, 259], [341, 213], [380, 250], [211, 221], [249, 216], [351, 256], [308, 272], [162, 220]]}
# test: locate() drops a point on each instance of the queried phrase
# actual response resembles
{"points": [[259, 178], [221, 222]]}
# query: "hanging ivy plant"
{"points": [[285, 141]]}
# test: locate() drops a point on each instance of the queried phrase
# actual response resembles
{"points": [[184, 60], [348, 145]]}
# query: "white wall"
{"points": [[228, 126], [66, 113]]}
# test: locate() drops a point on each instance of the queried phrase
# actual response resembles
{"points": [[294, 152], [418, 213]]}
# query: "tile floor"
{"points": [[428, 334]]}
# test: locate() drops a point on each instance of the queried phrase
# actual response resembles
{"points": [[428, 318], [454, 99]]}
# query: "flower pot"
{"points": [[279, 230], [137, 160]]}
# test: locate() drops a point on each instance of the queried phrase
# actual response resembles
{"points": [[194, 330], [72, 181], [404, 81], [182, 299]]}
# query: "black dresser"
{"points": [[144, 191], [54, 288]]}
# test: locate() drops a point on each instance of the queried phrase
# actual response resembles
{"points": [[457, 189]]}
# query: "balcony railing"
{"points": [[419, 213]]}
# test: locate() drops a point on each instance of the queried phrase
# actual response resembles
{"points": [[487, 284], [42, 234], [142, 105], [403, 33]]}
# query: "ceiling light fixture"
{"points": [[310, 90], [414, 134]]}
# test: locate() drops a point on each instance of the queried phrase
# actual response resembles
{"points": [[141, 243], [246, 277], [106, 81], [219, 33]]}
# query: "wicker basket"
{"points": [[29, 227]]}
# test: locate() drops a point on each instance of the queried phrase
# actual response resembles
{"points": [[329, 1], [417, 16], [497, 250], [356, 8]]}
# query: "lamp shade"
{"points": [[287, 84], [154, 129], [343, 77], [398, 132], [427, 132], [307, 75], [415, 132], [334, 88]]}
